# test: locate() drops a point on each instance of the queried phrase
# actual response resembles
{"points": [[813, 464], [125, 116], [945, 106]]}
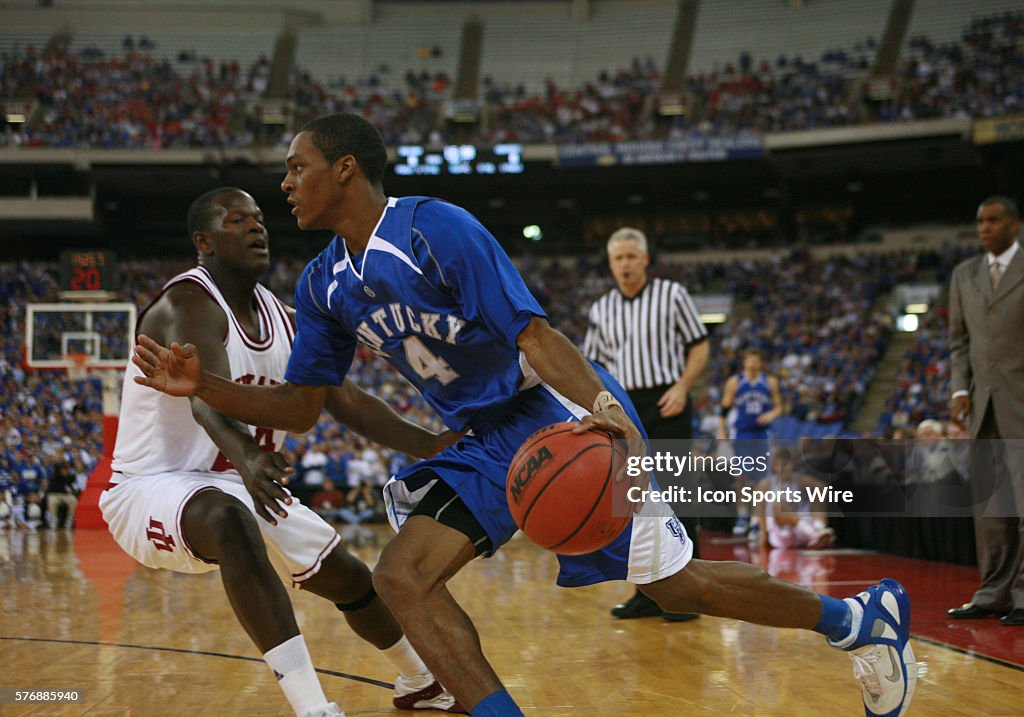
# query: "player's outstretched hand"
{"points": [[265, 474], [174, 371]]}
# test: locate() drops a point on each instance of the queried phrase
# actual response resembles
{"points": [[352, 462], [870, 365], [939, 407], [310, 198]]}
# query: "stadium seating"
{"points": [[546, 75]]}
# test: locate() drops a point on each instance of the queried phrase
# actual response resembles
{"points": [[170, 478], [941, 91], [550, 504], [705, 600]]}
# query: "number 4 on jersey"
{"points": [[427, 364]]}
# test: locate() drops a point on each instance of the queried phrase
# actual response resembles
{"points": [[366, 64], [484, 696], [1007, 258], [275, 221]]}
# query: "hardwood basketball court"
{"points": [[78, 613]]}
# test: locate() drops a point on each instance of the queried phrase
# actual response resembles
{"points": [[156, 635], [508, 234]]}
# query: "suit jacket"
{"points": [[986, 333]]}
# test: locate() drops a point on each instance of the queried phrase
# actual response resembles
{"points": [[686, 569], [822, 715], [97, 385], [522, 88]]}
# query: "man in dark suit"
{"points": [[986, 329]]}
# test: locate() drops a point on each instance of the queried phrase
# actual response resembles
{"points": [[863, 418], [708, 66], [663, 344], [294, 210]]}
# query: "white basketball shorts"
{"points": [[144, 514]]}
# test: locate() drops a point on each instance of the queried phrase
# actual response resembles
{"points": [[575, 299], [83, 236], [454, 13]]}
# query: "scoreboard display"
{"points": [[455, 159], [87, 270]]}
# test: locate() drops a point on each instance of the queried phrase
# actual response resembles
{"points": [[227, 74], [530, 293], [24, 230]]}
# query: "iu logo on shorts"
{"points": [[159, 536]]}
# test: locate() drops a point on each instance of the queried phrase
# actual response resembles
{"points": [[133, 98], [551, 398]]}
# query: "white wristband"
{"points": [[604, 401]]}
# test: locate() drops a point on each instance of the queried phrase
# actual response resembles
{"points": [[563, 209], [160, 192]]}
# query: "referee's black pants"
{"points": [[646, 402]]}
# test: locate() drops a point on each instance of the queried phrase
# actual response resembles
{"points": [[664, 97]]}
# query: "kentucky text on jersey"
{"points": [[395, 317], [435, 295]]}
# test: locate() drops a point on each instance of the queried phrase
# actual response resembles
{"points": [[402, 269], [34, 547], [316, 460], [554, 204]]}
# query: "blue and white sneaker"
{"points": [[879, 646]]}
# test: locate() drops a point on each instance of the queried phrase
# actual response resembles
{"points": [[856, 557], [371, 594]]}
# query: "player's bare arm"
{"points": [[563, 367], [186, 313], [376, 420], [177, 370]]}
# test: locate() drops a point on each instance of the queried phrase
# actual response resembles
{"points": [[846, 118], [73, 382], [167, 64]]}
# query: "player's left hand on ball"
{"points": [[265, 476]]}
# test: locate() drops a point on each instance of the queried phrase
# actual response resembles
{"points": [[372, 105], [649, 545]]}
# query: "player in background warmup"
{"points": [[423, 284], [750, 403], [193, 490]]}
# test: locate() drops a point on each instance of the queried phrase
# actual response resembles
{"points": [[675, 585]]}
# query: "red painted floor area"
{"points": [[933, 587]]}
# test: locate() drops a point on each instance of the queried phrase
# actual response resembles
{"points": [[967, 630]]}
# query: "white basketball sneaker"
{"points": [[883, 660], [432, 697]]}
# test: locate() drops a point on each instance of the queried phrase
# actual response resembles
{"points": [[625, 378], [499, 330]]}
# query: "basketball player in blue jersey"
{"points": [[750, 403], [194, 491], [425, 286]]}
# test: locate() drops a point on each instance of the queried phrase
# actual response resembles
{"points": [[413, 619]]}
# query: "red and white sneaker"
{"points": [[432, 697]]}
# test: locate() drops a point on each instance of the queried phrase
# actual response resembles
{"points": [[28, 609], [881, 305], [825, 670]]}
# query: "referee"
{"points": [[648, 334]]}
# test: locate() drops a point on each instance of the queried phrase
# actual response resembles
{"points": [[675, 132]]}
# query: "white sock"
{"points": [[408, 663], [293, 668]]}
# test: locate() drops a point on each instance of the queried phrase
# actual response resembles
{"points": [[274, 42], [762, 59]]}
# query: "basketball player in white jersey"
{"points": [[193, 490]]}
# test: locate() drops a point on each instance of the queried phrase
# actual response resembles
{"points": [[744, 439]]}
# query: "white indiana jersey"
{"points": [[157, 433]]}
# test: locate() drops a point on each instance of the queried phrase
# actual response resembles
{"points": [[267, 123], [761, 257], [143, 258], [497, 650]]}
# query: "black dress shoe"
{"points": [[1014, 617], [637, 606], [970, 611]]}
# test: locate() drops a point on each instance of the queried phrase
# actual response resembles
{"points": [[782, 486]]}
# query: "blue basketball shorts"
{"points": [[653, 546]]}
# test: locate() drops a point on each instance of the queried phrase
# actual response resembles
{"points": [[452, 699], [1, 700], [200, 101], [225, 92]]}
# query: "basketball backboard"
{"points": [[58, 335]]}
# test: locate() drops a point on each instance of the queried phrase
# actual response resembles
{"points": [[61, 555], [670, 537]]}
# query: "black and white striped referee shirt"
{"points": [[642, 341]]}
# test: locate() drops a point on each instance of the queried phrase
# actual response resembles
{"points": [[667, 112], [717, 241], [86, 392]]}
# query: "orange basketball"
{"points": [[561, 489]]}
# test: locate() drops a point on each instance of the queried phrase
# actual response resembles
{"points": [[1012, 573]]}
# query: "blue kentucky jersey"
{"points": [[435, 295], [753, 398]]}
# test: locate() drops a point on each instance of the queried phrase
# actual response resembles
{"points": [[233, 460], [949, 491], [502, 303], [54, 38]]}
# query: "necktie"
{"points": [[995, 271]]}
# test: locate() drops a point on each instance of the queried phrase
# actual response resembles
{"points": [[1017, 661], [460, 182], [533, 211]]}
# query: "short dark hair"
{"points": [[754, 351], [205, 209], [346, 133], [1008, 204]]}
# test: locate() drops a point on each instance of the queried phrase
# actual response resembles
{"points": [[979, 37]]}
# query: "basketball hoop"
{"points": [[78, 365]]}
